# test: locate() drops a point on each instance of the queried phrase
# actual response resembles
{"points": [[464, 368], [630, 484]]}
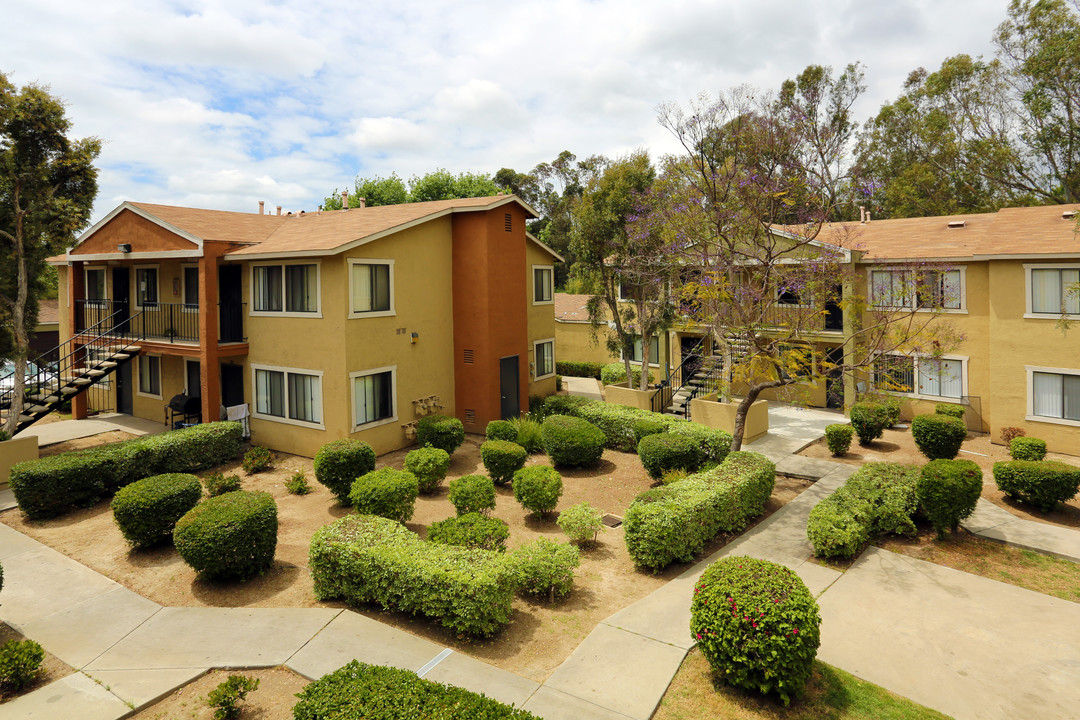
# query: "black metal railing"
{"points": [[168, 322], [677, 378], [90, 348]]}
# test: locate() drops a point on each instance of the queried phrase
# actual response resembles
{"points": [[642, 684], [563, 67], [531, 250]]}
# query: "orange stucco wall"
{"points": [[141, 234], [490, 311]]}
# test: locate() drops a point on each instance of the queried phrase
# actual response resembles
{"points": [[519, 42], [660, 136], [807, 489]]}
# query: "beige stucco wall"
{"points": [[542, 325], [710, 413], [622, 395], [15, 451], [573, 341]]}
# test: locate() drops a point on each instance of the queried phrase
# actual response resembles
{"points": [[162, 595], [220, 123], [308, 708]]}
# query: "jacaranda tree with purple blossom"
{"points": [[743, 209]]}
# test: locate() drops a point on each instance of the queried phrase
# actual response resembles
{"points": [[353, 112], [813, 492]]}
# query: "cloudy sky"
{"points": [[222, 104]]}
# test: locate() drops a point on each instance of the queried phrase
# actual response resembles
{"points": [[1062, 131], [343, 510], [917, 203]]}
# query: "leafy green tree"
{"points": [[437, 185], [47, 188]]}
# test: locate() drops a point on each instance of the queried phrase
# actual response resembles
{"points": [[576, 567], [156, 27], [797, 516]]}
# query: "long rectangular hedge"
{"points": [[58, 484], [368, 559], [672, 523], [617, 423], [374, 692]]}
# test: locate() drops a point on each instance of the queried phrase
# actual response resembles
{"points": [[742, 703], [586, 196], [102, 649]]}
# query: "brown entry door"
{"points": [[510, 403]]}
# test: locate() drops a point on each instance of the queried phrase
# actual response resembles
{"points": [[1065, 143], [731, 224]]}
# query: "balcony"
{"points": [[161, 322]]}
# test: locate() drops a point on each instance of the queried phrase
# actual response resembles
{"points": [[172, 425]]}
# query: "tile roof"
{"points": [[1010, 231], [571, 308], [48, 312]]}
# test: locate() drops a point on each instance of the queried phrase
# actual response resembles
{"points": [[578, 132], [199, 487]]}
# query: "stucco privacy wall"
{"points": [[574, 342]]}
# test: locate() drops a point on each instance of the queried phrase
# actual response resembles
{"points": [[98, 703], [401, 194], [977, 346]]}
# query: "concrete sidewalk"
{"points": [[64, 430]]}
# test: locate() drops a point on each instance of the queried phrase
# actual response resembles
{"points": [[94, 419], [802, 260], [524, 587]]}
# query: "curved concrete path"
{"points": [[959, 643]]}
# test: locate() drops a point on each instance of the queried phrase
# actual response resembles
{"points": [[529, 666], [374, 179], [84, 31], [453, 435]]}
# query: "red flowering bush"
{"points": [[757, 625]]}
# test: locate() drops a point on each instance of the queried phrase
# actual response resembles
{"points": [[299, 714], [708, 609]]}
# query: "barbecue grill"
{"points": [[186, 407]]}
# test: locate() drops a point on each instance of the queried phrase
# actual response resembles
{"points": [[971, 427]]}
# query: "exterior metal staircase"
{"points": [[72, 368]]}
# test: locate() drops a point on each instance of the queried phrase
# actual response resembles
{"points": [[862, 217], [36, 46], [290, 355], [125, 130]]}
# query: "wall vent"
{"points": [[470, 417], [468, 357], [1068, 215], [957, 223], [509, 222]]}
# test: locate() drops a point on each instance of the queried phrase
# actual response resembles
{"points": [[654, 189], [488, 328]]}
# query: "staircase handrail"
{"points": [[667, 387]]}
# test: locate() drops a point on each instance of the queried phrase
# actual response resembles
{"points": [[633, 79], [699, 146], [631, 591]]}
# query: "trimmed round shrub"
{"points": [[757, 624], [502, 459], [472, 493], [949, 410], [544, 567], [645, 427], [340, 462], [938, 437], [838, 437], [429, 465], [947, 491], [869, 420], [1027, 448], [146, 511], [445, 433], [229, 536], [714, 444], [662, 452], [538, 488], [581, 523], [1042, 483], [20, 663], [572, 442], [471, 530], [388, 493], [501, 430]]}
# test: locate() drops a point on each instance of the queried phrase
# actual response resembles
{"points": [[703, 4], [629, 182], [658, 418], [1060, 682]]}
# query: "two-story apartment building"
{"points": [[327, 325]]}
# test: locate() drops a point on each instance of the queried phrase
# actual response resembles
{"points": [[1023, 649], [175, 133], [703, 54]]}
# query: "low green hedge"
{"points": [[339, 462], [580, 369], [502, 459], [671, 523], [229, 536], [545, 568], [388, 493], [429, 465], [1027, 448], [366, 559], [947, 492], [146, 511], [938, 437], [666, 451], [1042, 483], [373, 692], [472, 493], [58, 484], [879, 498], [757, 624], [471, 530], [445, 433], [949, 410], [615, 374], [572, 441], [624, 427], [538, 488]]}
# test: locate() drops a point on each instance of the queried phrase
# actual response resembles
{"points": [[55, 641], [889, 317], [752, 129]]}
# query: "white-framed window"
{"points": [[654, 350], [95, 288], [190, 277], [894, 288], [1053, 395], [287, 289], [1052, 290], [149, 376], [543, 358], [626, 291], [371, 287], [146, 287], [543, 284], [922, 376], [288, 395], [374, 397]]}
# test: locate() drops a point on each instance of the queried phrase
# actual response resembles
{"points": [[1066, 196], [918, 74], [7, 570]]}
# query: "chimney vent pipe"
{"points": [[363, 203], [344, 199], [262, 206], [278, 209]]}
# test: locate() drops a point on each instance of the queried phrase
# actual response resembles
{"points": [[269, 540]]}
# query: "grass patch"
{"points": [[831, 694], [963, 551]]}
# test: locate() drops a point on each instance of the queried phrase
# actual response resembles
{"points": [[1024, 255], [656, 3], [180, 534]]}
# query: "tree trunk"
{"points": [[18, 317], [644, 385], [740, 416]]}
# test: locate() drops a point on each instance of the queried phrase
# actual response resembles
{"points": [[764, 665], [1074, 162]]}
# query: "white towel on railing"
{"points": [[239, 412]]}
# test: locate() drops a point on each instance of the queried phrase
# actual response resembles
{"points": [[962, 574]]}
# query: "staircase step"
{"points": [[81, 381], [37, 409], [119, 356], [68, 391], [106, 364], [95, 373]]}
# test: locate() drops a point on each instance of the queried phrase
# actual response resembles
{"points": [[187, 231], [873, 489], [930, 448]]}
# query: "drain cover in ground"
{"points": [[612, 521]]}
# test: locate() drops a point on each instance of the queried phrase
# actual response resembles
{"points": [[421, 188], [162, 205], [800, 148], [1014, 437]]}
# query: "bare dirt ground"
{"points": [[86, 442], [272, 700], [52, 667], [898, 446], [540, 636]]}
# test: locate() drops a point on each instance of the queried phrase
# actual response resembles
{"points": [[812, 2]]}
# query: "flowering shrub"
{"points": [[757, 624]]}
